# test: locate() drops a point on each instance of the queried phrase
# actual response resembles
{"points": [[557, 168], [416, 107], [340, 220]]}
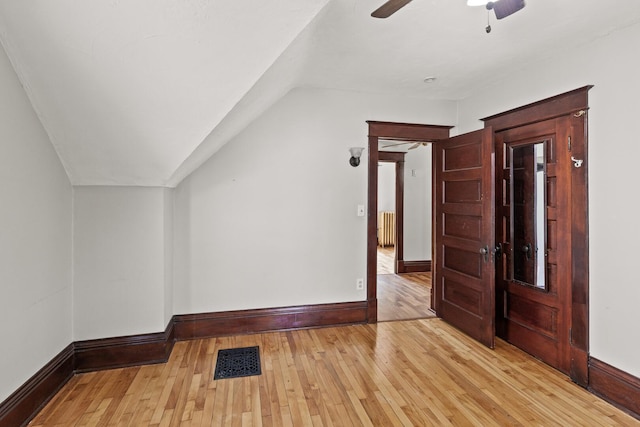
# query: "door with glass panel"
{"points": [[533, 230]]}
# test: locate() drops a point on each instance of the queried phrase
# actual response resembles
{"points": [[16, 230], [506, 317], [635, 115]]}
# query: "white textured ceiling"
{"points": [[141, 92]]}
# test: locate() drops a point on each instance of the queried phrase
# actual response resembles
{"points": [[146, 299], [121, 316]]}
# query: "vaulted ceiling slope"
{"points": [[127, 89], [141, 92]]}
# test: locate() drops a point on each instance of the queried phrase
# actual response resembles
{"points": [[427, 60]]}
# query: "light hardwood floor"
{"points": [[411, 373], [386, 258], [404, 296], [401, 296]]}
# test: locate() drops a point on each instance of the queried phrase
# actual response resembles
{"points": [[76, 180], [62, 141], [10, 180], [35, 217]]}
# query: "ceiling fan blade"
{"points": [[397, 144], [416, 145], [389, 8], [504, 8]]}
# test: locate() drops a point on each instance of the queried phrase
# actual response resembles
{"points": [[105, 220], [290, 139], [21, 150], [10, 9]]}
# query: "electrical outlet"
{"points": [[360, 284]]}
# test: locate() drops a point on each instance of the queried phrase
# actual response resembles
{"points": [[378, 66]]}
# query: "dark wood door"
{"points": [[464, 227], [533, 278]]}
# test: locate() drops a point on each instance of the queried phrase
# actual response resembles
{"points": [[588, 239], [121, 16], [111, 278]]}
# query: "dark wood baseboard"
{"points": [[204, 325], [19, 408], [93, 355], [615, 386], [120, 352], [414, 266]]}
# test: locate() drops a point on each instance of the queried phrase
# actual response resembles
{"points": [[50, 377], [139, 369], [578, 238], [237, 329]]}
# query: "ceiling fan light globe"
{"points": [[477, 2], [356, 151]]}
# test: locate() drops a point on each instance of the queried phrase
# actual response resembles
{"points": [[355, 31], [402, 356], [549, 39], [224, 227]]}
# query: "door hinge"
{"points": [[569, 143], [570, 336]]}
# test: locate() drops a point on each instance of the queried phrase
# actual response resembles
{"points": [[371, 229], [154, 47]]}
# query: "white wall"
{"points": [[386, 187], [119, 261], [611, 64], [417, 200], [270, 220], [168, 254], [417, 204], [35, 240]]}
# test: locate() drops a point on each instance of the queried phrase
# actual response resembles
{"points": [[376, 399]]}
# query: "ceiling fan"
{"points": [[415, 144], [502, 8]]}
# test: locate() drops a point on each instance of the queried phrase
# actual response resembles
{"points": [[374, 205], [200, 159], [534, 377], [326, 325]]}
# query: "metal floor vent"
{"points": [[238, 362]]}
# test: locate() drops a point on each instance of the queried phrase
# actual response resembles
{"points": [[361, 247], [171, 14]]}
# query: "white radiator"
{"points": [[386, 229]]}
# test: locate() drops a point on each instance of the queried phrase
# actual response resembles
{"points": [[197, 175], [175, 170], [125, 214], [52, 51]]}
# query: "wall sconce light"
{"points": [[356, 152]]}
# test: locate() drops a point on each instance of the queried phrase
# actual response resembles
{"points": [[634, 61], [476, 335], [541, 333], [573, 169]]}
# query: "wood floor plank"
{"points": [[402, 373], [386, 258], [404, 296]]}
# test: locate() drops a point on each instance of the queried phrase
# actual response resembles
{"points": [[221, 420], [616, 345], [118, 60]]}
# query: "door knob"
{"points": [[497, 251], [485, 253]]}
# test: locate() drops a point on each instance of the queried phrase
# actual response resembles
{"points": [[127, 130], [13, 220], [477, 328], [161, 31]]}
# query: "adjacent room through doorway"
{"points": [[403, 294]]}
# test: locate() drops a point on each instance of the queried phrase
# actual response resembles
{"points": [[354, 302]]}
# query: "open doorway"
{"points": [[386, 251], [404, 179], [401, 295], [403, 230]]}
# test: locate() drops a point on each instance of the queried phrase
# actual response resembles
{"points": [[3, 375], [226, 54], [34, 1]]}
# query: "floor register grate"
{"points": [[238, 362]]}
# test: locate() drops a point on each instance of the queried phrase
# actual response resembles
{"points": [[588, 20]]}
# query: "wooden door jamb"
{"points": [[409, 132]]}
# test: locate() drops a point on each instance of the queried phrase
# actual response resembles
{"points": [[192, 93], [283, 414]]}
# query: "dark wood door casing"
{"points": [[573, 108], [409, 132]]}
